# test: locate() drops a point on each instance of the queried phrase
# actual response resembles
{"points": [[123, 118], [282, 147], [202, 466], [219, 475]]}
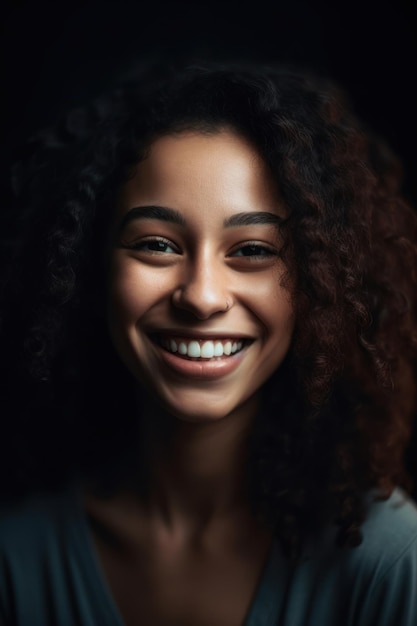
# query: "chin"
{"points": [[199, 410], [202, 417]]}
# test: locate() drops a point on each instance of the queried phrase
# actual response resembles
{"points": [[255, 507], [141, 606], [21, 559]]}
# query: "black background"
{"points": [[56, 55]]}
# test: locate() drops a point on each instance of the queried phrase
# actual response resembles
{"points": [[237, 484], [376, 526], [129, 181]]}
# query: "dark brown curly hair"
{"points": [[337, 414]]}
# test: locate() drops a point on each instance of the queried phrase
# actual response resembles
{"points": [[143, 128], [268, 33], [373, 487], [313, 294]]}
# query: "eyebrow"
{"points": [[152, 212], [165, 214], [252, 219]]}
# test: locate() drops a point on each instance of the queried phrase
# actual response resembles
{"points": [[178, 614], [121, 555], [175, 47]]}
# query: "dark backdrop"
{"points": [[58, 54]]}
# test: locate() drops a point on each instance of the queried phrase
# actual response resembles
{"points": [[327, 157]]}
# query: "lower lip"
{"points": [[213, 368]]}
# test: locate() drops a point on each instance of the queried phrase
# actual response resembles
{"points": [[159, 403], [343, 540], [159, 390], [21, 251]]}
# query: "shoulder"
{"points": [[389, 531], [382, 571], [32, 520], [393, 521], [34, 543], [389, 543], [373, 584], [32, 534]]}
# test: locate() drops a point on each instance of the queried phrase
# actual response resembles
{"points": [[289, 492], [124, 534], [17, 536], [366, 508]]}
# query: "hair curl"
{"points": [[337, 413]]}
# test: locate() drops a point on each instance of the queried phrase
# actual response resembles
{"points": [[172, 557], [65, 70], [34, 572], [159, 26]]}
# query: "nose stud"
{"points": [[201, 304]]}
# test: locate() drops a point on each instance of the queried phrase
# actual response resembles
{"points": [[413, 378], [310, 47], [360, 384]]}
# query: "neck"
{"points": [[197, 470]]}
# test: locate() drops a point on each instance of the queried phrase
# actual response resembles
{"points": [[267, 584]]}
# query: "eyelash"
{"points": [[161, 240], [265, 251], [262, 250]]}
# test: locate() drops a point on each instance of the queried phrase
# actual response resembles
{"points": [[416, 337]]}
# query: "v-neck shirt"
{"points": [[50, 573]]}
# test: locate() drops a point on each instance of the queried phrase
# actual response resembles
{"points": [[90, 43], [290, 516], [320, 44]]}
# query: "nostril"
{"points": [[202, 304]]}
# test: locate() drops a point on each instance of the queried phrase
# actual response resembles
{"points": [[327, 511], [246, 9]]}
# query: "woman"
{"points": [[225, 304]]}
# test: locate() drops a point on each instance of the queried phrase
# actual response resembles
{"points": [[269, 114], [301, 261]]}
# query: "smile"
{"points": [[201, 349], [179, 354]]}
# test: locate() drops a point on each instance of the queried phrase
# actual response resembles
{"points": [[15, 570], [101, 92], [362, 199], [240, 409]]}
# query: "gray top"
{"points": [[50, 575]]}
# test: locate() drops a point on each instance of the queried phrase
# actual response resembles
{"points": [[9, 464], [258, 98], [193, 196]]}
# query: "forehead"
{"points": [[192, 169]]}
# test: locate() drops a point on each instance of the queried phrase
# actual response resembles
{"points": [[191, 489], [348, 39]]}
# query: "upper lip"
{"points": [[200, 336]]}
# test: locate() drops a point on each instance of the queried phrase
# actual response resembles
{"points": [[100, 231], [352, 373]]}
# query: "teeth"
{"points": [[207, 350], [227, 348], [218, 349], [194, 349]]}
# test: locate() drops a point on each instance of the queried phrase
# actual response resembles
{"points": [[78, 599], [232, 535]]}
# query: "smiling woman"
{"points": [[200, 273], [211, 362]]}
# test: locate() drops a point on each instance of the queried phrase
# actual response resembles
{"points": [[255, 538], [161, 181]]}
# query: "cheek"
{"points": [[272, 304], [281, 312], [133, 289], [123, 294]]}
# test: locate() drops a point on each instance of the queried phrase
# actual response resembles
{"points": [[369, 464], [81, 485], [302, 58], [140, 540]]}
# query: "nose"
{"points": [[204, 289]]}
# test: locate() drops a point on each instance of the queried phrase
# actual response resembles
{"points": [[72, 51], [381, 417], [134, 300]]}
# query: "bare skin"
{"points": [[193, 553], [190, 551]]}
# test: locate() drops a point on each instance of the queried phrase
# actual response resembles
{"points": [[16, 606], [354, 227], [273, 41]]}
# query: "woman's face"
{"points": [[195, 306]]}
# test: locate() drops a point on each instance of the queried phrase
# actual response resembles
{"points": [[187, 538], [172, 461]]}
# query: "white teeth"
{"points": [[207, 350], [194, 349], [218, 349]]}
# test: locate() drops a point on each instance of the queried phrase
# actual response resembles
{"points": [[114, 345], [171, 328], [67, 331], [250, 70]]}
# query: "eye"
{"points": [[154, 245], [254, 251]]}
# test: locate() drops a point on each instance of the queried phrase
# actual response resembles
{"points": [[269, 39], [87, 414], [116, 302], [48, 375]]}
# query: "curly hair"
{"points": [[337, 414]]}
